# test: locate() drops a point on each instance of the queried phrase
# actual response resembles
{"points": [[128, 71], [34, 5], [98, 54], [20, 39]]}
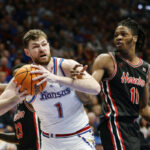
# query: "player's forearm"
{"points": [[2, 87], [7, 103], [86, 98], [83, 97], [145, 113], [88, 85], [9, 137]]}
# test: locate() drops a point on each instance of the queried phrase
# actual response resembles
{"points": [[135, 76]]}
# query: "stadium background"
{"points": [[77, 29]]}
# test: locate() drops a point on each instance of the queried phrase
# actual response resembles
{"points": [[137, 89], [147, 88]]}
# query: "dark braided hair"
{"points": [[136, 29]]}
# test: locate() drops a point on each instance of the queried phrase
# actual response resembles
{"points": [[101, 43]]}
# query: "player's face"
{"points": [[123, 39], [39, 51]]}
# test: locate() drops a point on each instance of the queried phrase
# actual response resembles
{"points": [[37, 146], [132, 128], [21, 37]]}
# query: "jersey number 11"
{"points": [[134, 95]]}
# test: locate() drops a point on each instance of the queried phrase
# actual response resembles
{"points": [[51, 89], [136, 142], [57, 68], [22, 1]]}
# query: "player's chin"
{"points": [[121, 51], [43, 62], [118, 50]]}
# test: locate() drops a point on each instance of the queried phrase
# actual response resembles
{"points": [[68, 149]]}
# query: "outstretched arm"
{"points": [[102, 63], [2, 87], [10, 97], [86, 84], [9, 137]]}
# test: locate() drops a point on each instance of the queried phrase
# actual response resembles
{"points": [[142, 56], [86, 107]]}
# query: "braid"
{"points": [[136, 30], [141, 39]]}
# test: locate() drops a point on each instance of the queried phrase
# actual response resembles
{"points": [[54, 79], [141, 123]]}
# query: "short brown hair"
{"points": [[32, 34]]}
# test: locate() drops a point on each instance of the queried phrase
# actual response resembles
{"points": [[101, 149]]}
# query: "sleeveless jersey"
{"points": [[122, 92], [27, 128], [59, 109]]}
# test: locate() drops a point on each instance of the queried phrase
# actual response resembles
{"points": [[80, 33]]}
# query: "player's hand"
{"points": [[45, 75], [21, 95], [78, 71], [15, 91]]}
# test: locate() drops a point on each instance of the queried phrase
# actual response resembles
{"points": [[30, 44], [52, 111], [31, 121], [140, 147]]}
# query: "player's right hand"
{"points": [[76, 73]]}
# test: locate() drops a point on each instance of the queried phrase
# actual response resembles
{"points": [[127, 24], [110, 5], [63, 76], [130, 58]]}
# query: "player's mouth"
{"points": [[43, 56], [119, 44]]}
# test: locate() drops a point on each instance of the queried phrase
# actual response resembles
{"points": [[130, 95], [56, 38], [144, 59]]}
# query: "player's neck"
{"points": [[128, 54], [130, 57], [50, 66]]}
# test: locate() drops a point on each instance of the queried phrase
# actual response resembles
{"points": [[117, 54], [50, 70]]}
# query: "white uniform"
{"points": [[64, 122]]}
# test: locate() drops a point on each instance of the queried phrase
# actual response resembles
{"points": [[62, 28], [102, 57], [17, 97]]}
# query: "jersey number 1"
{"points": [[59, 109], [134, 95]]}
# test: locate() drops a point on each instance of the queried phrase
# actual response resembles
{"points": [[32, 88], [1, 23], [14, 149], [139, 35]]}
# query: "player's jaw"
{"points": [[124, 46], [42, 59], [120, 46]]}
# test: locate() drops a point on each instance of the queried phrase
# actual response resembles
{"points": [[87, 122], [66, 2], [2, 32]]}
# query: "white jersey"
{"points": [[58, 107]]}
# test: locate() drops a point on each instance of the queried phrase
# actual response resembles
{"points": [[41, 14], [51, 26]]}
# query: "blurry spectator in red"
{"points": [[4, 66], [2, 77]]}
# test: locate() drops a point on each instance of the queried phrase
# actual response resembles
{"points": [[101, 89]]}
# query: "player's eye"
{"points": [[36, 46], [123, 34], [115, 35], [44, 44]]}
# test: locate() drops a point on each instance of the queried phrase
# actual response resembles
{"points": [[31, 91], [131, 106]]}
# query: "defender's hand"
{"points": [[78, 71]]}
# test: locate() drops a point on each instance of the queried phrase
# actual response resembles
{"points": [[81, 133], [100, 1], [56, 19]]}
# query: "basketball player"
{"points": [[27, 133], [124, 78], [64, 122]]}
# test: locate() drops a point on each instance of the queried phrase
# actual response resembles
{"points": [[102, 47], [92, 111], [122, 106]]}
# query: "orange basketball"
{"points": [[24, 78]]}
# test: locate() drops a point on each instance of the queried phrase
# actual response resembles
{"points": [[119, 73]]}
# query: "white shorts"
{"points": [[82, 141]]}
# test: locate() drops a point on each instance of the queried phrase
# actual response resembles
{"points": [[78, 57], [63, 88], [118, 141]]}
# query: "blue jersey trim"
{"points": [[54, 60], [60, 65], [29, 102]]}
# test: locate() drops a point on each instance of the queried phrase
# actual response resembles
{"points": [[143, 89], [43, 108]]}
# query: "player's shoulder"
{"points": [[65, 61], [103, 59], [69, 63]]}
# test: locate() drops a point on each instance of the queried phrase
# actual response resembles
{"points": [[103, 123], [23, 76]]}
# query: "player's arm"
{"points": [[101, 64], [2, 87], [10, 97], [87, 84], [8, 137], [144, 107]]}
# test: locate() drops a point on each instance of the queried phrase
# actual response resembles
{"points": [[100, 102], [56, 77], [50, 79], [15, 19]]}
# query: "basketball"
{"points": [[24, 78]]}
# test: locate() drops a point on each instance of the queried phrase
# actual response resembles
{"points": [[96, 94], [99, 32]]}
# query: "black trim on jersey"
{"points": [[131, 64]]}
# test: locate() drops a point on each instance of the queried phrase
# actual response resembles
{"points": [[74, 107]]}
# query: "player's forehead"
{"points": [[121, 28], [37, 41]]}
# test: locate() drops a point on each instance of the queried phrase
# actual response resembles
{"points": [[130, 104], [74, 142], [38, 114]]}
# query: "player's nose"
{"points": [[119, 37], [41, 48]]}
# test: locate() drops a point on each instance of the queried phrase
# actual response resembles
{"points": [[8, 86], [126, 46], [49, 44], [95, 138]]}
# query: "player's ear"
{"points": [[27, 52], [135, 38]]}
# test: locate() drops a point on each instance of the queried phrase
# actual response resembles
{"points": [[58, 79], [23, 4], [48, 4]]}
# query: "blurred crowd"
{"points": [[77, 29]]}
